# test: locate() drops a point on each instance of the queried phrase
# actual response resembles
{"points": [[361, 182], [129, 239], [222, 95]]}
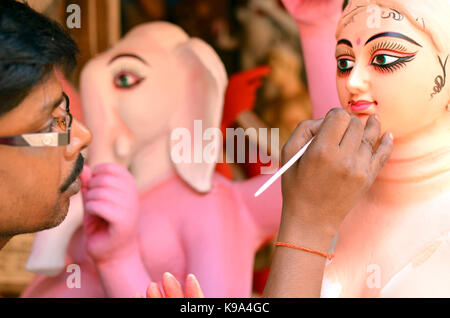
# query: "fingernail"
{"points": [[194, 279], [137, 295], [169, 278], [168, 275], [197, 284]]}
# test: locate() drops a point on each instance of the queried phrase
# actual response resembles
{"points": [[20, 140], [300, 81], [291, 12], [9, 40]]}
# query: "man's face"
{"points": [[36, 183]]}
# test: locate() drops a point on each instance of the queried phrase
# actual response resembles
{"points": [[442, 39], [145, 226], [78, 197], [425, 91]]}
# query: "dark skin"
{"points": [[32, 179], [317, 199]]}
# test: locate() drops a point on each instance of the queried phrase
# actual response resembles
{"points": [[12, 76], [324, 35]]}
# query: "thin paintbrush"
{"points": [[283, 169]]}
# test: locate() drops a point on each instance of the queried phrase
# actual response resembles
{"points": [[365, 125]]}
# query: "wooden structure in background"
{"points": [[100, 28], [100, 25], [13, 257]]}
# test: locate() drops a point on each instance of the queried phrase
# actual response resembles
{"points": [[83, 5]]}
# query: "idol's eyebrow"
{"points": [[392, 35], [128, 55], [345, 42]]}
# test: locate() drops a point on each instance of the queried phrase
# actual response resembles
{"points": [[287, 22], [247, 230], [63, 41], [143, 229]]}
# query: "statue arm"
{"points": [[317, 21]]}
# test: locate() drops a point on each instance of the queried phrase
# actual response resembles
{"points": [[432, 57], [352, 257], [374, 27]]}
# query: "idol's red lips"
{"points": [[361, 105]]}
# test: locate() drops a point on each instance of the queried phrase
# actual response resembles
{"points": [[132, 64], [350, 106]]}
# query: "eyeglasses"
{"points": [[59, 135]]}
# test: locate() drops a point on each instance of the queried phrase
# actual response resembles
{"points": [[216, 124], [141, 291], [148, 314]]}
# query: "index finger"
{"points": [[300, 137], [333, 127]]}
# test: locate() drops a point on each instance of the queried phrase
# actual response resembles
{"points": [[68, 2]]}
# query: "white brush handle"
{"points": [[283, 169]]}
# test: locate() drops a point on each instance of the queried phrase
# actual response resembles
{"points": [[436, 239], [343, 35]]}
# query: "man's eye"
{"points": [[345, 64], [384, 59], [58, 124], [49, 128], [126, 80]]}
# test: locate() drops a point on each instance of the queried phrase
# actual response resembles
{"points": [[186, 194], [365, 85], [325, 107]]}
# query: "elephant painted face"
{"points": [[154, 80], [129, 95]]}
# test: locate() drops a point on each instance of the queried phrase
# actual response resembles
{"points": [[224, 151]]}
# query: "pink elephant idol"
{"points": [[167, 215]]}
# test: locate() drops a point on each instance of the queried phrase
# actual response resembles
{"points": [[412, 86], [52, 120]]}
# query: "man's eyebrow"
{"points": [[50, 107], [128, 55], [394, 35], [345, 42]]}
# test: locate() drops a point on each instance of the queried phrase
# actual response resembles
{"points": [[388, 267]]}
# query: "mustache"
{"points": [[74, 175]]}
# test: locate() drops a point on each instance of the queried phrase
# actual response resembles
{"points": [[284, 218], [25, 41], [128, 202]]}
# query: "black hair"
{"points": [[30, 46], [345, 5]]}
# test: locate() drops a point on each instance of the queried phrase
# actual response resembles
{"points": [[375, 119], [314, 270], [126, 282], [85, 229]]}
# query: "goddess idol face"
{"points": [[389, 67]]}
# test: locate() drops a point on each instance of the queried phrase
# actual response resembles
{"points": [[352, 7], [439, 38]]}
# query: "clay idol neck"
{"points": [[419, 168]]}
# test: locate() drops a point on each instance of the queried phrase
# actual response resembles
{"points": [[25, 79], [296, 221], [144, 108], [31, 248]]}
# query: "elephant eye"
{"points": [[127, 79]]}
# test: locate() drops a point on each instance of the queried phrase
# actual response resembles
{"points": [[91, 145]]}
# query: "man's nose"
{"points": [[80, 138], [358, 81]]}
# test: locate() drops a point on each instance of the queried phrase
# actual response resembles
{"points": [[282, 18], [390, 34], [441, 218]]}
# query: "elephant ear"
{"points": [[203, 86]]}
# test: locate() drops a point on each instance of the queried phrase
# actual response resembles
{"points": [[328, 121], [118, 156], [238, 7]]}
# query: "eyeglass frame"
{"points": [[52, 139]]}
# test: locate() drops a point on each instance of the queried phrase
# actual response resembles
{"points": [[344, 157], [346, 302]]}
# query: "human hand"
{"points": [[172, 288], [335, 172], [313, 12], [111, 211]]}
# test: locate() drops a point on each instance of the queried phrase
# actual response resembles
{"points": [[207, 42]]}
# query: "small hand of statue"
{"points": [[111, 212]]}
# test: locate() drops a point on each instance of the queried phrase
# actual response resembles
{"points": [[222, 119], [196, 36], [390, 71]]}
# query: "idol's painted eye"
{"points": [[389, 63], [384, 59], [345, 65], [126, 79]]}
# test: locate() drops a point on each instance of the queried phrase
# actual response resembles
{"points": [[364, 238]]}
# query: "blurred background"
{"points": [[245, 33]]}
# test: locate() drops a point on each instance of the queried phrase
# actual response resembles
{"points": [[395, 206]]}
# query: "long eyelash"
{"points": [[401, 62], [387, 45], [343, 73]]}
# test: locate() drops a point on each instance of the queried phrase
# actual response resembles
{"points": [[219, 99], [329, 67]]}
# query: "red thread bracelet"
{"points": [[328, 256]]}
